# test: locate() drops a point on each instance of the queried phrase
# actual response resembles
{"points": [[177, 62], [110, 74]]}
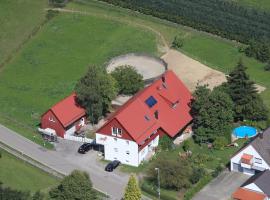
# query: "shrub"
{"points": [[186, 145], [267, 67], [197, 174], [178, 42], [165, 143], [217, 171]]}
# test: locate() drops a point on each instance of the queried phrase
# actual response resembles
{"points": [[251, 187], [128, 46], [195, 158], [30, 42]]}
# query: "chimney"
{"points": [[261, 134], [156, 114], [163, 79]]}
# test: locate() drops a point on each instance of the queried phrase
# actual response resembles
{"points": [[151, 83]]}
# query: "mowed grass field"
{"points": [[260, 4], [48, 66], [217, 53], [18, 19], [19, 175]]}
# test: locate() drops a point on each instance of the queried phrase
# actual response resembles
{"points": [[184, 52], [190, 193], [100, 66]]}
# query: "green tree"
{"points": [[212, 113], [263, 53], [177, 42], [95, 91], [38, 196], [174, 173], [267, 66], [186, 145], [77, 185], [165, 143], [132, 191], [129, 81], [248, 105]]}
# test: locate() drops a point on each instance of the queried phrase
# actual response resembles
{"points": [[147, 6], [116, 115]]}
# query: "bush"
{"points": [[217, 171], [129, 81], [267, 67], [51, 13], [220, 143], [178, 42], [186, 145], [165, 143], [197, 174]]}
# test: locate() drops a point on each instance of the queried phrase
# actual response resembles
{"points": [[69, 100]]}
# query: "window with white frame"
{"points": [[127, 152], [51, 119], [114, 131], [117, 132], [258, 160], [127, 142], [115, 150]]}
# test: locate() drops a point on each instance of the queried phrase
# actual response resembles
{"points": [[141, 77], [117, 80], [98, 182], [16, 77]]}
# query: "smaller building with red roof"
{"points": [[65, 117], [132, 133]]}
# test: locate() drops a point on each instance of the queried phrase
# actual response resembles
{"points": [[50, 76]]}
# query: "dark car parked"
{"points": [[112, 165], [89, 146]]}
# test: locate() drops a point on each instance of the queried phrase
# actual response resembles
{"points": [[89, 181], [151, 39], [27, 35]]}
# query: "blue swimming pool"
{"points": [[245, 131]]}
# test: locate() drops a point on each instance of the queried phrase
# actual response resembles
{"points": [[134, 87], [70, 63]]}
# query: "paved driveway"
{"points": [[222, 187], [66, 159]]}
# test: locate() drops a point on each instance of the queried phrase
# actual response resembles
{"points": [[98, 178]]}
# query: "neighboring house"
{"points": [[255, 156], [65, 117], [256, 187], [132, 133]]}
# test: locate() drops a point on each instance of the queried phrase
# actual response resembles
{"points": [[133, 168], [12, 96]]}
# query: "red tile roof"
{"points": [[172, 105], [245, 194], [67, 111]]}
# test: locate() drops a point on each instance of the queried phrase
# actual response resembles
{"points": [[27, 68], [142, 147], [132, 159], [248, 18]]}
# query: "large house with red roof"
{"points": [[65, 117], [132, 133]]}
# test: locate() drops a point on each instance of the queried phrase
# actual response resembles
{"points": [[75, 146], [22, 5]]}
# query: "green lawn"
{"points": [[17, 174], [49, 65], [18, 19], [218, 53]]}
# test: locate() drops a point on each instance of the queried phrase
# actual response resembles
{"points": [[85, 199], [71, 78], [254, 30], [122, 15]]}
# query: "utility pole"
{"points": [[157, 169]]}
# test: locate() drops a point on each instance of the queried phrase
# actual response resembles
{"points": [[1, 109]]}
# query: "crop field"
{"points": [[48, 66], [18, 22], [17, 174]]}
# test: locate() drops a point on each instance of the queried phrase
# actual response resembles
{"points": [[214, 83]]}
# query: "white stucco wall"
{"points": [[253, 187], [72, 130], [251, 151], [125, 151], [146, 150]]}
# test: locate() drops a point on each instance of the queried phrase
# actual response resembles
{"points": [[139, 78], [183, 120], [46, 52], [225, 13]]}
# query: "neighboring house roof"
{"points": [[67, 110], [261, 180], [244, 194], [164, 104], [261, 145]]}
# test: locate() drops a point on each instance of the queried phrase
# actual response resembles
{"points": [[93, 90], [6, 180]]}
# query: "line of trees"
{"points": [[223, 18]]}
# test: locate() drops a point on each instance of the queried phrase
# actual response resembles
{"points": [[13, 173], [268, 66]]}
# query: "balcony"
{"points": [[246, 161]]}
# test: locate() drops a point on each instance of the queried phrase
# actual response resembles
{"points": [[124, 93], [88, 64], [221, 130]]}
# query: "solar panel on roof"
{"points": [[151, 101]]}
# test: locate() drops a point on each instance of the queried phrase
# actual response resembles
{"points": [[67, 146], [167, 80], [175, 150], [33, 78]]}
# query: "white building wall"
{"points": [[253, 187], [125, 151], [251, 151], [72, 130], [146, 150]]}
